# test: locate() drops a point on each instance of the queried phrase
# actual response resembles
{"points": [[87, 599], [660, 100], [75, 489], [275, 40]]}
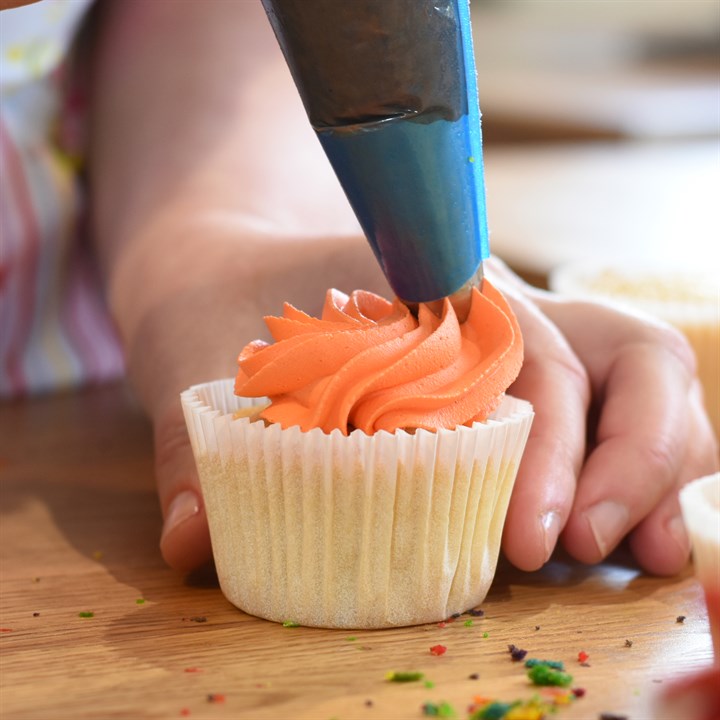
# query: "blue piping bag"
{"points": [[389, 87]]}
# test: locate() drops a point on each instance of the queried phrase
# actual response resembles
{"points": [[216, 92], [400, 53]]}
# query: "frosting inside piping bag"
{"points": [[370, 364]]}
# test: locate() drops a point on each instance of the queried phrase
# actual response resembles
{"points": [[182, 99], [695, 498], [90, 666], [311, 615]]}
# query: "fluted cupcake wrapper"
{"points": [[353, 531], [700, 503]]}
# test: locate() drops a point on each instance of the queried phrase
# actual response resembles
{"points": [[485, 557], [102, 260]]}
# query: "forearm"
{"points": [[205, 176]]}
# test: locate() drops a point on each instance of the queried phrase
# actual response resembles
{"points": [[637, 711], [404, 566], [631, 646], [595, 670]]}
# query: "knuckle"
{"points": [[660, 457], [672, 341], [570, 367]]}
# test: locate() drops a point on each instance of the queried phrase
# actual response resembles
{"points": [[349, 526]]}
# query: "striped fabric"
{"points": [[55, 330]]}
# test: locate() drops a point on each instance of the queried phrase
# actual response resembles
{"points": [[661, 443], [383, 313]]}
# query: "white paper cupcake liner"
{"points": [[700, 503], [353, 531]]}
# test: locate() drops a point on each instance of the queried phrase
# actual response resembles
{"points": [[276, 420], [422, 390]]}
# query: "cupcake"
{"points": [[357, 472], [697, 695], [689, 299], [700, 503]]}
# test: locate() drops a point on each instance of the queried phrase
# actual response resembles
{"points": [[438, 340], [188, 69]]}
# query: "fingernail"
{"points": [[184, 506], [676, 529], [608, 521], [550, 522]]}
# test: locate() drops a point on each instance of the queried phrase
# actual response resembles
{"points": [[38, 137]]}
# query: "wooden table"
{"points": [[80, 525]]}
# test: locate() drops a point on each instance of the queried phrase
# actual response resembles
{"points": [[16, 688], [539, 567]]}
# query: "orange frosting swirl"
{"points": [[370, 364]]}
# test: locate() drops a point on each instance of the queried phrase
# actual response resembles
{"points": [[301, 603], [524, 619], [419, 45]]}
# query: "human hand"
{"points": [[187, 296], [620, 427], [195, 333]]}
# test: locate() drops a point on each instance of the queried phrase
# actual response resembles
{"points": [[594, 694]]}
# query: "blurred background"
{"points": [[601, 123], [601, 128]]}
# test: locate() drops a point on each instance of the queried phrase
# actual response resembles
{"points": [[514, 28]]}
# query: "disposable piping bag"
{"points": [[389, 87]]}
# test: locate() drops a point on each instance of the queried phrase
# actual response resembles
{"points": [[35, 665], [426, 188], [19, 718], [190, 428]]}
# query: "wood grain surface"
{"points": [[80, 524]]}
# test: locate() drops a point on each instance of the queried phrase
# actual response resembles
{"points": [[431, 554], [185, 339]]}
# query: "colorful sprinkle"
{"points": [[215, 698], [36, 614], [192, 670], [681, 618], [6, 629], [352, 638], [554, 664], [403, 677], [516, 653], [429, 684], [546, 675], [612, 716], [537, 627], [185, 712], [493, 711], [476, 613], [468, 623], [438, 649], [486, 635], [474, 676], [442, 624], [140, 601], [628, 643], [442, 709], [196, 618], [291, 624], [583, 657], [86, 614]]}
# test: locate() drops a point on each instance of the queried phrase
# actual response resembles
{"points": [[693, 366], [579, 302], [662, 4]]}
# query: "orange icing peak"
{"points": [[370, 364]]}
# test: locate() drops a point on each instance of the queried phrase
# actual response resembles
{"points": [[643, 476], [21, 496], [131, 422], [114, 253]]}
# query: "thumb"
{"points": [[185, 539]]}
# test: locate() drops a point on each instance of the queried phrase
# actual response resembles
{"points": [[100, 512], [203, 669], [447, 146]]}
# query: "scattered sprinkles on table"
{"points": [[680, 618], [516, 653], [291, 624], [86, 614], [438, 649], [536, 708], [216, 698]]}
